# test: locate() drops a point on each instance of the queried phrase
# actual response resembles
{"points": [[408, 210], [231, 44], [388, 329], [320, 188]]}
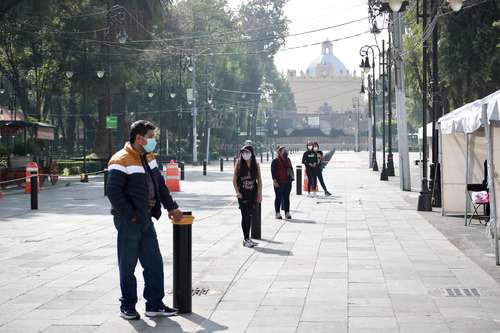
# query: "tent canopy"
{"points": [[467, 119]]}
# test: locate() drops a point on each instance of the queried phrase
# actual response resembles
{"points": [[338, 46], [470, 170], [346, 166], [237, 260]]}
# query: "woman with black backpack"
{"points": [[247, 183], [282, 173]]}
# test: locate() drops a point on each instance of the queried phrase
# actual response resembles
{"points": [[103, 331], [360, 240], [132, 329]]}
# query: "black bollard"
{"points": [[182, 263], [256, 223], [34, 191], [234, 161], [227, 158], [299, 180], [261, 158], [221, 164], [105, 182], [267, 156], [181, 166], [204, 168]]}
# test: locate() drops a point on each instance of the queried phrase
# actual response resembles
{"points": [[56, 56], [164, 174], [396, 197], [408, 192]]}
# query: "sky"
{"points": [[307, 15]]}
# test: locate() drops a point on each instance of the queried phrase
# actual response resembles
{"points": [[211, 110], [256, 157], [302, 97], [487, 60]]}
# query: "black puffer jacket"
{"points": [[127, 187]]}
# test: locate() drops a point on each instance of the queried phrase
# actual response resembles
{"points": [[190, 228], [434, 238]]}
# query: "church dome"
{"points": [[327, 63]]}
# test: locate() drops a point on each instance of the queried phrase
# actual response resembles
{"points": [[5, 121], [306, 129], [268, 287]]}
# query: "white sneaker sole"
{"points": [[160, 314]]}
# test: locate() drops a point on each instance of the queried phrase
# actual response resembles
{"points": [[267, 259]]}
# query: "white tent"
{"points": [[469, 136]]}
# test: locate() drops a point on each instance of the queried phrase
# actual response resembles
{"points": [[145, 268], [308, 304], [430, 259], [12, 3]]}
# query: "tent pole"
{"points": [[466, 214], [491, 179], [440, 161]]}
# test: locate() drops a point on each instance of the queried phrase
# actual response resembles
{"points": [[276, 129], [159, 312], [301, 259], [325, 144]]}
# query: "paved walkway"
{"points": [[361, 261]]}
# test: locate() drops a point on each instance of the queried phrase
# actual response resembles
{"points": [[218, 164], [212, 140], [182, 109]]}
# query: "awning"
{"points": [[467, 119]]}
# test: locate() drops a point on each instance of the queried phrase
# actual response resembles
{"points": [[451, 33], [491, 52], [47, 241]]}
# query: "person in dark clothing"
{"points": [[310, 160], [247, 182], [321, 166], [282, 173], [136, 190]]}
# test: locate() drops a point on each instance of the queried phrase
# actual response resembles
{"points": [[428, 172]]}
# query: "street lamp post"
{"points": [[192, 68], [390, 157], [364, 52], [355, 106], [425, 197], [383, 174]]}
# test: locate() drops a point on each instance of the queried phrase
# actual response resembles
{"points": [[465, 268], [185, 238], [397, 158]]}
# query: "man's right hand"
{"points": [[275, 183], [238, 195], [175, 214]]}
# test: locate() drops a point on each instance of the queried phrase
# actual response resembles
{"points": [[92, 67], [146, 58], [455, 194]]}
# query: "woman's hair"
{"points": [[309, 143], [243, 165], [315, 143]]}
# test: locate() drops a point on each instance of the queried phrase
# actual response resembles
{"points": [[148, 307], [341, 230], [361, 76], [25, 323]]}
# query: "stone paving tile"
{"points": [[357, 264]]}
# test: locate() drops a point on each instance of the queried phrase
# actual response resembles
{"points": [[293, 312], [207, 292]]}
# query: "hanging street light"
{"points": [[122, 36], [367, 65], [455, 5], [100, 73], [395, 5], [172, 92], [190, 66], [69, 74]]}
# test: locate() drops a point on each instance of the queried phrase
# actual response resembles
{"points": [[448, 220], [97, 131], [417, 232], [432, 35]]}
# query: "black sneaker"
{"points": [[163, 311], [327, 194], [129, 314]]}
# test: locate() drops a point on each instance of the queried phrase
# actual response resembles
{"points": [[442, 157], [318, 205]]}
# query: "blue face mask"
{"points": [[151, 145]]}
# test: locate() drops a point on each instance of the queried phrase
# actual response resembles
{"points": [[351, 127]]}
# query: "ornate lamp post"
{"points": [[365, 64]]}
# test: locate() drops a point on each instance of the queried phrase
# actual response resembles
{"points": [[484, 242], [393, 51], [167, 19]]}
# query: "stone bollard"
{"points": [[204, 168], [221, 164], [34, 191], [181, 166], [298, 179]]}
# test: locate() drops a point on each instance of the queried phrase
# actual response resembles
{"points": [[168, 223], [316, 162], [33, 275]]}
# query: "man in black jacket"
{"points": [[136, 190]]}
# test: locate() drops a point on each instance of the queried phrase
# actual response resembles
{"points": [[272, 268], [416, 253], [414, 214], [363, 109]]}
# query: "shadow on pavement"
{"points": [[301, 221], [270, 241], [267, 250], [166, 324]]}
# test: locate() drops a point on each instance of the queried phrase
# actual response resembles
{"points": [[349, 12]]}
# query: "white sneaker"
{"points": [[288, 216], [278, 216], [248, 243]]}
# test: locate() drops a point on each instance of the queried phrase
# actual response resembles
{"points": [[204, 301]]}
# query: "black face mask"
{"points": [[285, 155]]}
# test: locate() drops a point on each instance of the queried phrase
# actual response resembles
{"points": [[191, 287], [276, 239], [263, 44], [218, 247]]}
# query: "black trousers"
{"points": [[247, 209], [312, 180], [321, 181], [282, 199]]}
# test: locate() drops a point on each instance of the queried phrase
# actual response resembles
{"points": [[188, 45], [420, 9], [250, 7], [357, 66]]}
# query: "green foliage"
{"points": [[469, 57], [45, 39]]}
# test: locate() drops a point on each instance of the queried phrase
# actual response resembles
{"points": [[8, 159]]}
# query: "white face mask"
{"points": [[309, 147], [246, 156], [316, 149]]}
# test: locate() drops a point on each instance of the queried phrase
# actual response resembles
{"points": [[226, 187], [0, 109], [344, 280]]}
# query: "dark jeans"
{"points": [[321, 181], [282, 199], [139, 242], [247, 211], [312, 181]]}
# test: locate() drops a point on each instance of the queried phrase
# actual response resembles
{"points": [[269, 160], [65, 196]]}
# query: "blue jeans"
{"points": [[282, 199], [139, 242]]}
